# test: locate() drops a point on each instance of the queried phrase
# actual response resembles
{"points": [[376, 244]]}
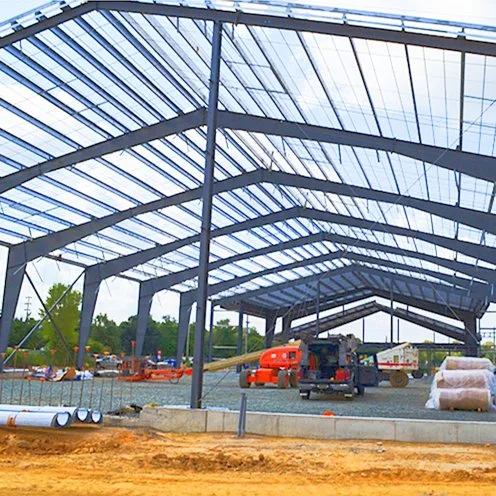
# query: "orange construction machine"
{"points": [[277, 366], [137, 369]]}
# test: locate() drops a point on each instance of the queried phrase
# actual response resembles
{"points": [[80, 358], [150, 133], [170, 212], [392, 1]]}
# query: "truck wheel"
{"points": [[360, 389], [293, 379], [243, 379], [305, 395], [282, 379], [417, 374], [398, 379]]}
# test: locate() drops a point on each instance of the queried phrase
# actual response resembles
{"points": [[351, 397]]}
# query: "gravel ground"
{"points": [[222, 390]]}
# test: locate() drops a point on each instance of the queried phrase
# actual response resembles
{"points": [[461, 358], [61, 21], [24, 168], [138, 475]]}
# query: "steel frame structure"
{"points": [[287, 241]]}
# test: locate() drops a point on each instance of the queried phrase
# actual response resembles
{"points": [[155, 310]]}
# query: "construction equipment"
{"points": [[277, 366], [395, 364], [137, 369], [239, 360], [331, 366]]}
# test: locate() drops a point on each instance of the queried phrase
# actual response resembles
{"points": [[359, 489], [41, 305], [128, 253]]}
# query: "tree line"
{"points": [[116, 338]]}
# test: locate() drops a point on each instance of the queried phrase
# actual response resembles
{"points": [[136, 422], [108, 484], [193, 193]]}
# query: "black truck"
{"points": [[332, 366]]}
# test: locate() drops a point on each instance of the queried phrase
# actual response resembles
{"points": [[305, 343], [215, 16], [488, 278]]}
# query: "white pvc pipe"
{"points": [[96, 417], [80, 414], [35, 419]]}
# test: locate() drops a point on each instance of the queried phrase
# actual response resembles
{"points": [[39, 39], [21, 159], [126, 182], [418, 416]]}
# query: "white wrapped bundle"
{"points": [[463, 379], [467, 363], [460, 399]]}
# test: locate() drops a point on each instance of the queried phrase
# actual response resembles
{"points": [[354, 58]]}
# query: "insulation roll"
{"points": [[465, 399], [34, 419], [96, 417], [467, 363], [456, 379]]}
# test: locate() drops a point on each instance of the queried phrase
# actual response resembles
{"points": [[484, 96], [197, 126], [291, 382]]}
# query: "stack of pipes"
{"points": [[46, 416]]}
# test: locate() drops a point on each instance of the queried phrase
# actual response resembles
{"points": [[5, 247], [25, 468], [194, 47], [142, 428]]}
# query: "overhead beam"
{"points": [[121, 264], [472, 164], [43, 245], [364, 310], [219, 287], [155, 285], [143, 135], [237, 17]]}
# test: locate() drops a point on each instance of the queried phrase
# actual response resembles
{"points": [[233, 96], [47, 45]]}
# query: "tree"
{"points": [[107, 333], [20, 329], [66, 318]]}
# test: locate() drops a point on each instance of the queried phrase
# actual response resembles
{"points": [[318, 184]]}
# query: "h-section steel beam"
{"points": [[453, 43], [121, 264], [183, 328], [44, 244], [472, 164], [206, 224], [270, 328], [91, 288], [224, 286], [13, 282], [237, 17], [159, 130]]}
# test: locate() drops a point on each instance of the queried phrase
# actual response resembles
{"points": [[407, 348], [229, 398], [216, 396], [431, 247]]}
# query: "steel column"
{"points": [[211, 332], [145, 301], [472, 339], [201, 306], [90, 294], [317, 305], [391, 312], [182, 328], [270, 328], [12, 288], [286, 326], [239, 344]]}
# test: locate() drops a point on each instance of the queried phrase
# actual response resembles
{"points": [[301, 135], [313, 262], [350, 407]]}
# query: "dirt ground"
{"points": [[110, 461]]}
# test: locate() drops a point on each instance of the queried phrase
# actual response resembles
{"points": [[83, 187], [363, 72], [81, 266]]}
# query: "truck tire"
{"points": [[417, 374], [243, 379], [305, 395], [398, 379], [282, 379], [293, 379]]}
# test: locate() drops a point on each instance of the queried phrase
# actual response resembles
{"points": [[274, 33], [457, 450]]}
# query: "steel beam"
{"points": [[239, 343], [472, 164], [13, 282], [143, 135], [367, 309], [205, 235], [270, 327], [217, 288], [144, 306], [91, 288], [237, 17], [121, 264], [32, 249], [211, 333], [182, 328]]}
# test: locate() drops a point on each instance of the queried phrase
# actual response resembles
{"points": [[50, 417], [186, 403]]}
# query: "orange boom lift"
{"points": [[278, 366]]}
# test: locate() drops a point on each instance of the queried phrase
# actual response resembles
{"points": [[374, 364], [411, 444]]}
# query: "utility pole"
{"points": [[27, 307]]}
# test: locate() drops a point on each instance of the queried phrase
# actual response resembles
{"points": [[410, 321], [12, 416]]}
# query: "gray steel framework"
{"points": [[366, 309], [452, 295]]}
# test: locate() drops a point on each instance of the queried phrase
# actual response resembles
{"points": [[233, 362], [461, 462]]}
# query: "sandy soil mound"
{"points": [[110, 461]]}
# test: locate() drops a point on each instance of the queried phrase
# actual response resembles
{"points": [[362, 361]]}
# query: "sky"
{"points": [[118, 297]]}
